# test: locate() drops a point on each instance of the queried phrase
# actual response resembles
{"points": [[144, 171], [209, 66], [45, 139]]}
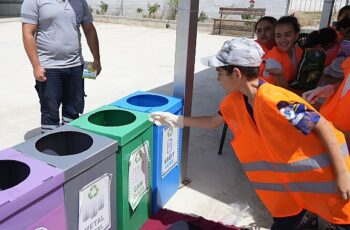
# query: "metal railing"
{"points": [[313, 5]]}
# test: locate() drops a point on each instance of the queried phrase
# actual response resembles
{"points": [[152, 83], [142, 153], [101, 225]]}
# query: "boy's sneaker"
{"points": [[308, 223], [329, 226]]}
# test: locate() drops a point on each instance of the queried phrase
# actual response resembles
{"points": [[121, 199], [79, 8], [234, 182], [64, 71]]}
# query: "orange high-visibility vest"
{"points": [[337, 107], [284, 59], [249, 149], [264, 48], [289, 171]]}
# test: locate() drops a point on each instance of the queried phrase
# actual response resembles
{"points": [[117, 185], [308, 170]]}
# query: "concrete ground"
{"points": [[140, 58]]}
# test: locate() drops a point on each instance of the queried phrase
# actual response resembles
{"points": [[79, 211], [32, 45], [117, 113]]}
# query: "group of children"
{"points": [[295, 156]]}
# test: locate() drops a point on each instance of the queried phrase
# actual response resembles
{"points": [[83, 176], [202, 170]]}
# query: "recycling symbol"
{"points": [[170, 132], [93, 191]]}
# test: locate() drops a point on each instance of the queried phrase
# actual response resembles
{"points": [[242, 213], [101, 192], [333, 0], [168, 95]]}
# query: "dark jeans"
{"points": [[292, 222], [62, 87]]}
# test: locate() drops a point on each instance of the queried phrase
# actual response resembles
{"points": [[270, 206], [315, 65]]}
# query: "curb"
{"points": [[164, 23]]}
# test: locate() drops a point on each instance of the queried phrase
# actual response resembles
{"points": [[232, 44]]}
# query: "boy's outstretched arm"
{"points": [[207, 122], [169, 119], [330, 142]]}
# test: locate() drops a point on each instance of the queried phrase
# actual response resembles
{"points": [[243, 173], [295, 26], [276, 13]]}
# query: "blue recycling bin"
{"points": [[167, 143]]}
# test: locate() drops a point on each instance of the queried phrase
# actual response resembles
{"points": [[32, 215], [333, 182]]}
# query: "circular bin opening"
{"points": [[12, 173], [147, 100], [64, 143], [112, 118]]}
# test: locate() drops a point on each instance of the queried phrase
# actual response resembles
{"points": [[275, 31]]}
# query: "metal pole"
{"points": [[122, 8], [186, 35], [326, 13], [288, 7]]}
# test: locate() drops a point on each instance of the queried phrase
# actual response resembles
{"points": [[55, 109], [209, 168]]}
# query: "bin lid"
{"points": [[121, 124], [25, 180], [69, 148], [149, 102]]}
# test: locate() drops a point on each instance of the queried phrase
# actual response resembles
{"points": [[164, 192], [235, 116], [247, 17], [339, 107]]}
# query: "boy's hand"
{"points": [[166, 119], [343, 183], [320, 92]]}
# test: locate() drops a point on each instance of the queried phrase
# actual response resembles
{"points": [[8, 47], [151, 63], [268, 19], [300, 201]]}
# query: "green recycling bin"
{"points": [[134, 159]]}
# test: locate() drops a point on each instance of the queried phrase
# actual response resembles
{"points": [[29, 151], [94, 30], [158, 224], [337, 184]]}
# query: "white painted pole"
{"points": [[326, 13]]}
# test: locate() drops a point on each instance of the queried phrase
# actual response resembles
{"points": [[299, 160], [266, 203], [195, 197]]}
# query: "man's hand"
{"points": [[39, 73], [166, 119], [92, 41], [97, 66], [320, 92]]}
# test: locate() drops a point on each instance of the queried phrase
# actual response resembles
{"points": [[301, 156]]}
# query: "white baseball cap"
{"points": [[239, 52]]}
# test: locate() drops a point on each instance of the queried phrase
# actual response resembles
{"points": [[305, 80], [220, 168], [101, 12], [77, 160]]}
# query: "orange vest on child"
{"points": [[264, 48], [289, 171], [331, 54], [337, 107], [286, 62]]}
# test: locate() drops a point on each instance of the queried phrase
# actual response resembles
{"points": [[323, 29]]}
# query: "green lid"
{"points": [[119, 124]]}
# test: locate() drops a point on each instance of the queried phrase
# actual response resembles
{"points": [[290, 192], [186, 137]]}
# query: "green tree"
{"points": [[249, 16], [152, 9], [173, 8]]}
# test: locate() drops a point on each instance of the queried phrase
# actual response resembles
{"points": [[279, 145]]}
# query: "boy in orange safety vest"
{"points": [[298, 161]]}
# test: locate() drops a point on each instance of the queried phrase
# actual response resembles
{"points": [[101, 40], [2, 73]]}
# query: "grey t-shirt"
{"points": [[58, 30]]}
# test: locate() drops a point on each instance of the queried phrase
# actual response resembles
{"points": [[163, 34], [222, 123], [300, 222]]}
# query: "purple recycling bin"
{"points": [[31, 194]]}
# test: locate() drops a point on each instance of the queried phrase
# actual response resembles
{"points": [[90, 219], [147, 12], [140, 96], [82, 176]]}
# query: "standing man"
{"points": [[51, 37]]}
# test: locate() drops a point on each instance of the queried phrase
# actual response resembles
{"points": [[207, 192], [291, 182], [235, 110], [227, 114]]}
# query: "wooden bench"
{"points": [[227, 11]]}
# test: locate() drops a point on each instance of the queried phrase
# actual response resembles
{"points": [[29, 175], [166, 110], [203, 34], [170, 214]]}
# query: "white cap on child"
{"points": [[239, 52]]}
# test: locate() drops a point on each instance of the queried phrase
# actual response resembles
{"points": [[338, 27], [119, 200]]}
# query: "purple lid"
{"points": [[23, 180]]}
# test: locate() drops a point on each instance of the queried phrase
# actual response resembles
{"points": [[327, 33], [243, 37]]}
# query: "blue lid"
{"points": [[148, 102]]}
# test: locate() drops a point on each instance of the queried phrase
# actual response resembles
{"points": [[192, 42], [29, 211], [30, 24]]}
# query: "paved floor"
{"points": [[140, 58]]}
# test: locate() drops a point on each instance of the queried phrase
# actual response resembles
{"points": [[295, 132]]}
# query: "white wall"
{"points": [[274, 8]]}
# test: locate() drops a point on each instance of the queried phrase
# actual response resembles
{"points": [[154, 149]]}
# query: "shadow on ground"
{"points": [[32, 133]]}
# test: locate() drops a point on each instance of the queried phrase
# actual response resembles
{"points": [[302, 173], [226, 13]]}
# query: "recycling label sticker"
{"points": [[138, 184], [170, 150], [95, 204]]}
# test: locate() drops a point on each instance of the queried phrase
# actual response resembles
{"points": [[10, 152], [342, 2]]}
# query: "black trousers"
{"points": [[292, 222], [63, 87]]}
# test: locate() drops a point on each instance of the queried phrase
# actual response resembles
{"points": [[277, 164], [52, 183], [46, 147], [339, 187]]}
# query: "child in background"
{"points": [[280, 65], [336, 107], [265, 32], [324, 39], [344, 12], [333, 73]]}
